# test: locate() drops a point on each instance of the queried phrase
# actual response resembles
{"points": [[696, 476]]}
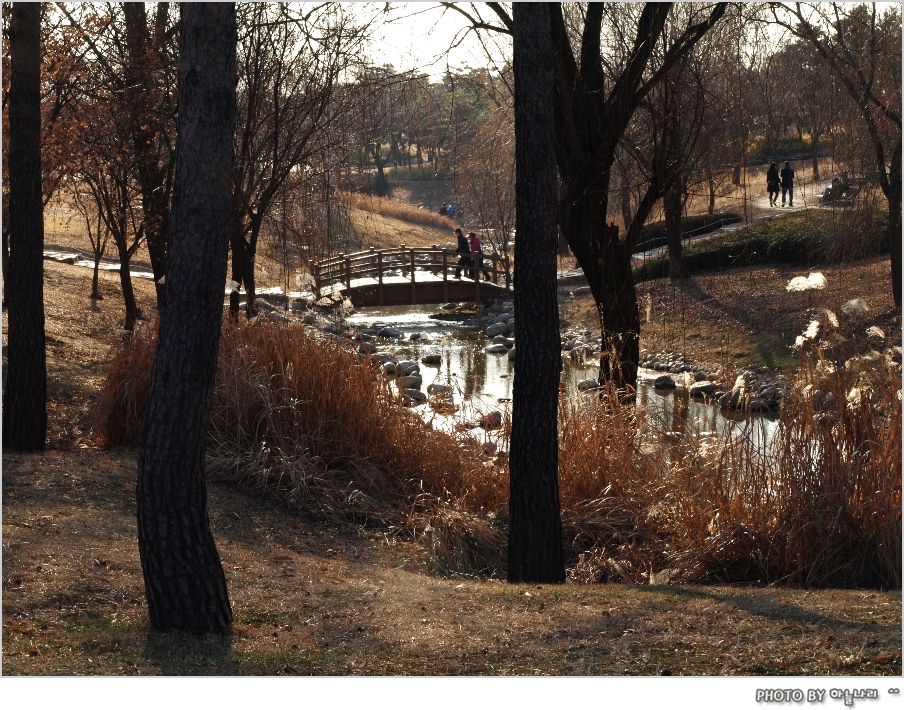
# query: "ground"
{"points": [[313, 599]]}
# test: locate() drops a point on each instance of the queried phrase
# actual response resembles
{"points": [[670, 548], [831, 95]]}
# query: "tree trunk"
{"points": [[607, 265], [894, 221], [25, 396], [671, 203], [711, 210], [184, 580], [815, 145], [95, 292], [142, 102], [5, 256], [125, 280], [535, 526]]}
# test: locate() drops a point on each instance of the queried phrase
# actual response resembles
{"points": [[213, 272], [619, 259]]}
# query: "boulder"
{"points": [[496, 349], [389, 368], [511, 355], [384, 357], [367, 348], [502, 318], [664, 382], [702, 389], [435, 388], [416, 396], [585, 385], [388, 332], [701, 375], [502, 340], [432, 359], [495, 329], [410, 381], [732, 400], [407, 367]]}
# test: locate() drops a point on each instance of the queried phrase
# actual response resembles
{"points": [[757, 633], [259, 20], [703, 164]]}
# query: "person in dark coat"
{"points": [[772, 183], [464, 249], [787, 175]]}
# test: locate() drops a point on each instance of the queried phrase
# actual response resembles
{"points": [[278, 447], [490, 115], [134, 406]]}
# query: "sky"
{"points": [[420, 34]]}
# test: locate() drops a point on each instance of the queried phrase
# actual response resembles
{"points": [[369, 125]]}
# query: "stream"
{"points": [[482, 382]]}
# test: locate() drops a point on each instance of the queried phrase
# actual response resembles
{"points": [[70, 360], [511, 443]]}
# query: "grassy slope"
{"points": [[310, 600]]}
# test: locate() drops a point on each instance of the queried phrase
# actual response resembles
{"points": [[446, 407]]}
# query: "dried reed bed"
{"points": [[388, 207], [820, 507]]}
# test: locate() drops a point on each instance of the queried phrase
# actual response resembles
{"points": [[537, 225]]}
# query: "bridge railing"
{"points": [[378, 263]]}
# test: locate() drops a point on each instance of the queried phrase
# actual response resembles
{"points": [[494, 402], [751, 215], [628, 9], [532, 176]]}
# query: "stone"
{"points": [[875, 335], [758, 405], [410, 381], [328, 327], [309, 319], [407, 367], [732, 400], [855, 306], [496, 349], [701, 375], [432, 359], [388, 332], [495, 329], [389, 368], [493, 420], [502, 318], [416, 396], [502, 340], [585, 385], [702, 389], [664, 382], [449, 306], [367, 348], [511, 355], [384, 357], [435, 388]]}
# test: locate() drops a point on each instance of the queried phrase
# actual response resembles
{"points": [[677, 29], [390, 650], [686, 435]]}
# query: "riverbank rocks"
{"points": [[388, 332], [423, 336], [702, 389], [511, 355], [366, 348], [407, 367], [585, 385], [438, 389], [502, 340], [389, 368], [502, 318], [432, 360], [496, 349]]}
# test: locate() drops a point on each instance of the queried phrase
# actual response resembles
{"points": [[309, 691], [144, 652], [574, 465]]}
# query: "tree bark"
{"points": [[894, 221], [672, 207], [25, 395], [535, 527], [125, 281], [815, 146], [184, 580]]}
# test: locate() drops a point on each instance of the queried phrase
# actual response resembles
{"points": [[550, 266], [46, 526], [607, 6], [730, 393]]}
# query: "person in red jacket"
{"points": [[477, 256]]}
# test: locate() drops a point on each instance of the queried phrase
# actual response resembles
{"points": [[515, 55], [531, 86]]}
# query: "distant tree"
{"points": [[535, 526], [184, 580], [861, 46], [25, 395]]}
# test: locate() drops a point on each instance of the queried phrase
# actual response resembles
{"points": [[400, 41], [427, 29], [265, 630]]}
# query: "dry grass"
{"points": [[308, 418], [388, 207]]}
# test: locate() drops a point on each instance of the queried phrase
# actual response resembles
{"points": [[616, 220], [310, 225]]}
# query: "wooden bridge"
{"points": [[392, 277]]}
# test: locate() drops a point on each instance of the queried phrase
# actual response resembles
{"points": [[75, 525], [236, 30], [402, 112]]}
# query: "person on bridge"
{"points": [[477, 256], [772, 183], [788, 184], [465, 250]]}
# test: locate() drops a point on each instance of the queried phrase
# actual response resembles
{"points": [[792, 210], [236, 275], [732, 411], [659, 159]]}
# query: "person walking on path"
{"points": [[788, 184], [772, 183], [465, 250], [477, 256]]}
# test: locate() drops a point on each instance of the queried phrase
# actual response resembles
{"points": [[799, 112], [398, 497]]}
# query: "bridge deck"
{"points": [[406, 276]]}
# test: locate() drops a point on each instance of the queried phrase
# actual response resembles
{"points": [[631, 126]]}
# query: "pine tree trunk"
{"points": [[24, 399], [535, 527], [184, 580]]}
